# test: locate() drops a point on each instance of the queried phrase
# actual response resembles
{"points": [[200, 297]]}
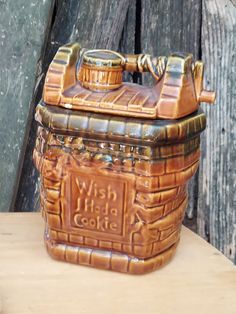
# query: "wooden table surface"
{"points": [[198, 280]]}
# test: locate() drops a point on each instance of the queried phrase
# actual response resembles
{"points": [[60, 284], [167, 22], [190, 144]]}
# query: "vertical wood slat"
{"points": [[100, 23], [168, 26], [22, 29], [217, 180], [26, 196], [127, 40]]}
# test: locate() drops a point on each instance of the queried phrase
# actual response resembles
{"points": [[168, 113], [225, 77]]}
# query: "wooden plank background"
{"points": [[216, 211], [23, 27], [204, 27]]}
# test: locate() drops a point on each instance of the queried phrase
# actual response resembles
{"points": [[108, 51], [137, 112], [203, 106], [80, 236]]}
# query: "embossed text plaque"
{"points": [[97, 204]]}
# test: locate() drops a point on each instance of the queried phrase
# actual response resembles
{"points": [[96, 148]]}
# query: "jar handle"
{"points": [[145, 63]]}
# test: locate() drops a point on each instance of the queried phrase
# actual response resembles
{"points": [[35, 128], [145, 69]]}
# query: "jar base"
{"points": [[108, 260]]}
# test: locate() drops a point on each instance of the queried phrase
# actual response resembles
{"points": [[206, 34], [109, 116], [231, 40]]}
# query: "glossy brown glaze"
{"points": [[113, 184], [73, 81]]}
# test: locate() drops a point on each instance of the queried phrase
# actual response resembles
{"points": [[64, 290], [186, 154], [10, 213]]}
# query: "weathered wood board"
{"points": [[22, 31], [168, 26], [217, 180]]}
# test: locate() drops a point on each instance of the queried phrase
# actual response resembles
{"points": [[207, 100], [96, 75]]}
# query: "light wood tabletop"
{"points": [[198, 280]]}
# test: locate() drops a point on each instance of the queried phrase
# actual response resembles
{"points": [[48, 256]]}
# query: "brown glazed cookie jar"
{"points": [[114, 158]]}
